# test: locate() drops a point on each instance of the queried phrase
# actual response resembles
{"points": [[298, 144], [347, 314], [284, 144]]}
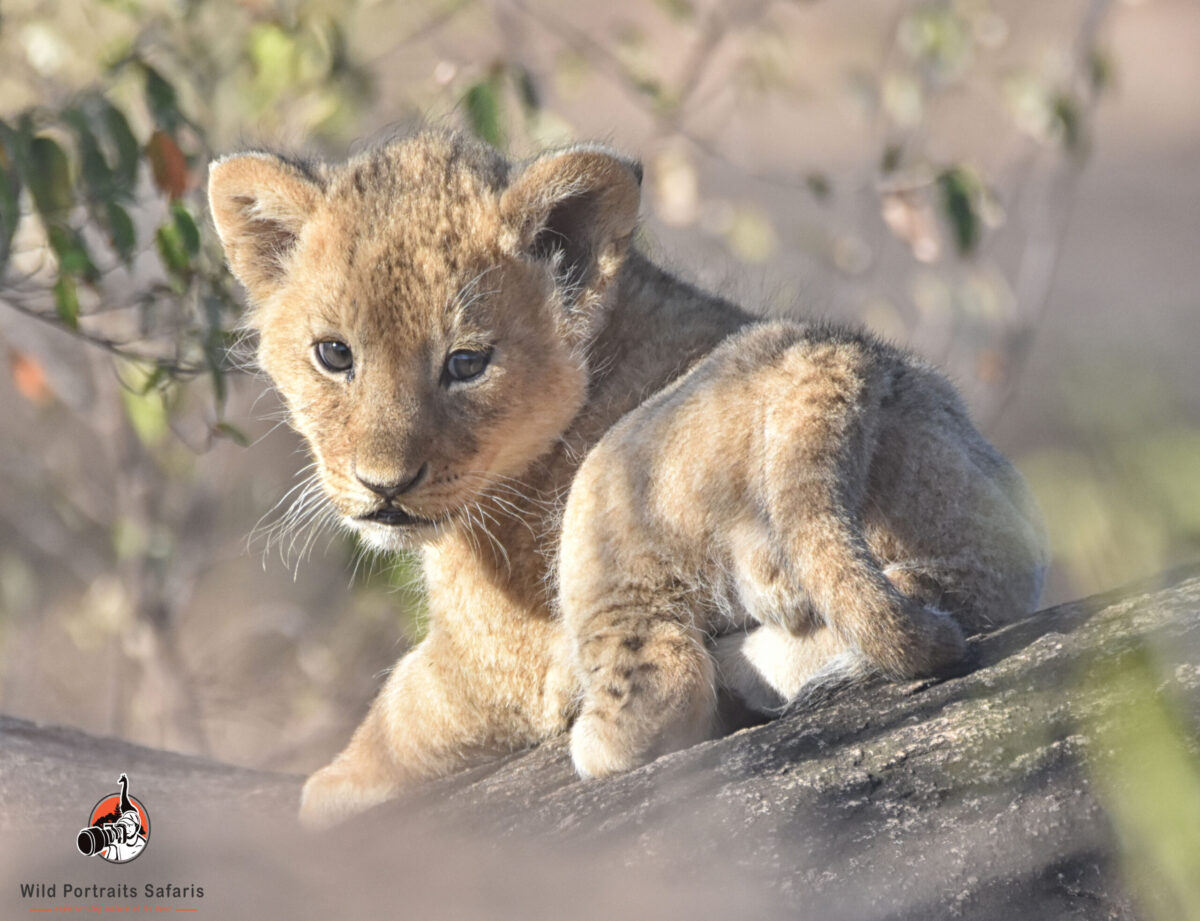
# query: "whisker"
{"points": [[495, 543]]}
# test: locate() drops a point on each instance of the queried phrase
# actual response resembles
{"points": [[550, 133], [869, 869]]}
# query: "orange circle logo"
{"points": [[118, 827]]}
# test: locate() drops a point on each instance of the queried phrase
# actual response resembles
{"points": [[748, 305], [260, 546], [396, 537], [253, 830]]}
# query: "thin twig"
{"points": [[1040, 256], [173, 367]]}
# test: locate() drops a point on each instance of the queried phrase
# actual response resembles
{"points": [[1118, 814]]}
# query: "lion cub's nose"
{"points": [[396, 487]]}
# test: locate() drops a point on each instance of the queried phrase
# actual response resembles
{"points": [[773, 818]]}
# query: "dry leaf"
{"points": [[168, 163], [29, 377]]}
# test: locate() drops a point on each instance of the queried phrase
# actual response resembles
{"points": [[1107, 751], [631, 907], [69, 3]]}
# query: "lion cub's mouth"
{"points": [[396, 517]]}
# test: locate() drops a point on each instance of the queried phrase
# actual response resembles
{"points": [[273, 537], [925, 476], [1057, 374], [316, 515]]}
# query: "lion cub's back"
{"points": [[681, 478], [686, 480]]}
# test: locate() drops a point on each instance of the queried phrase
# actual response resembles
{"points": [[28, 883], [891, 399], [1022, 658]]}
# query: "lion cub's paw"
{"points": [[333, 794], [601, 747], [598, 749]]}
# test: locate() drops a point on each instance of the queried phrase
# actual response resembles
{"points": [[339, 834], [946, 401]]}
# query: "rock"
{"points": [[1016, 790]]}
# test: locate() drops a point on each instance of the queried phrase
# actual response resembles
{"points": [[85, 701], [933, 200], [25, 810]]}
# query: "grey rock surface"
{"points": [[998, 793]]}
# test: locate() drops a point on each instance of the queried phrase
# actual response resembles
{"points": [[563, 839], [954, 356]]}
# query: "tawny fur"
{"points": [[817, 503], [800, 477]]}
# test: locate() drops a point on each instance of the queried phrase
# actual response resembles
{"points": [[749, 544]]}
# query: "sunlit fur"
{"points": [[436, 243], [816, 502]]}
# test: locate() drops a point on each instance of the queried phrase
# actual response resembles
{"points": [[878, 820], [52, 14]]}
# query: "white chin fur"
{"points": [[389, 539]]}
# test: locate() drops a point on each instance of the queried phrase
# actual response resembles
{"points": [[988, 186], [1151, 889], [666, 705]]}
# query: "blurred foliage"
{"points": [[1148, 778], [109, 112], [954, 212], [104, 159], [98, 174], [1124, 501], [1121, 501], [1129, 509]]}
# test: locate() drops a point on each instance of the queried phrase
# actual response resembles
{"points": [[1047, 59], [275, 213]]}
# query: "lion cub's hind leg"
{"points": [[776, 642], [813, 480]]}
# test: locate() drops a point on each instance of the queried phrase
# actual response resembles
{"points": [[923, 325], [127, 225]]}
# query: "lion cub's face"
{"points": [[424, 318]]}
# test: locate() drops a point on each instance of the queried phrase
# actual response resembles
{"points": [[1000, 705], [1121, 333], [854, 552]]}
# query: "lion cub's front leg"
{"points": [[405, 735], [488, 678]]}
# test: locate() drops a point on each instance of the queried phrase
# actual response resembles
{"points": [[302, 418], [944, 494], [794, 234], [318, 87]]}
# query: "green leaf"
{"points": [[185, 224], [890, 161], [120, 230], [938, 36], [162, 100], [153, 377], [66, 301], [73, 257], [10, 196], [127, 148], [482, 103], [49, 177], [1101, 70], [147, 413], [216, 347], [653, 88], [678, 10], [960, 189], [97, 174], [214, 356], [9, 214], [1069, 119], [234, 434], [173, 252], [527, 90], [15, 142], [275, 54]]}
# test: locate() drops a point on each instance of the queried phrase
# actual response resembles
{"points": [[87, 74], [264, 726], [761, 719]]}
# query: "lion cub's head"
{"points": [[425, 310]]}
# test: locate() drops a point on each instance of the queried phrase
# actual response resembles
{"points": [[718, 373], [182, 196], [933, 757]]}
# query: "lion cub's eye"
{"points": [[465, 365], [334, 356]]}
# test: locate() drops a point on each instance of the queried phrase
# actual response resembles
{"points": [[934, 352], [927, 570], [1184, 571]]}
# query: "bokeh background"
{"points": [[1011, 188]]}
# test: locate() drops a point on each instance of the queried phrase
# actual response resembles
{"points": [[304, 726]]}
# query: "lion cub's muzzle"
{"points": [[390, 513]]}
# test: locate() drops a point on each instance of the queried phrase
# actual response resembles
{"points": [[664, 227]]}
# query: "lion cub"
{"points": [[453, 332], [818, 502]]}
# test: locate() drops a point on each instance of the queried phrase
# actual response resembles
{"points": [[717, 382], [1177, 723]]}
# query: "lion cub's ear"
{"points": [[576, 209], [259, 203]]}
